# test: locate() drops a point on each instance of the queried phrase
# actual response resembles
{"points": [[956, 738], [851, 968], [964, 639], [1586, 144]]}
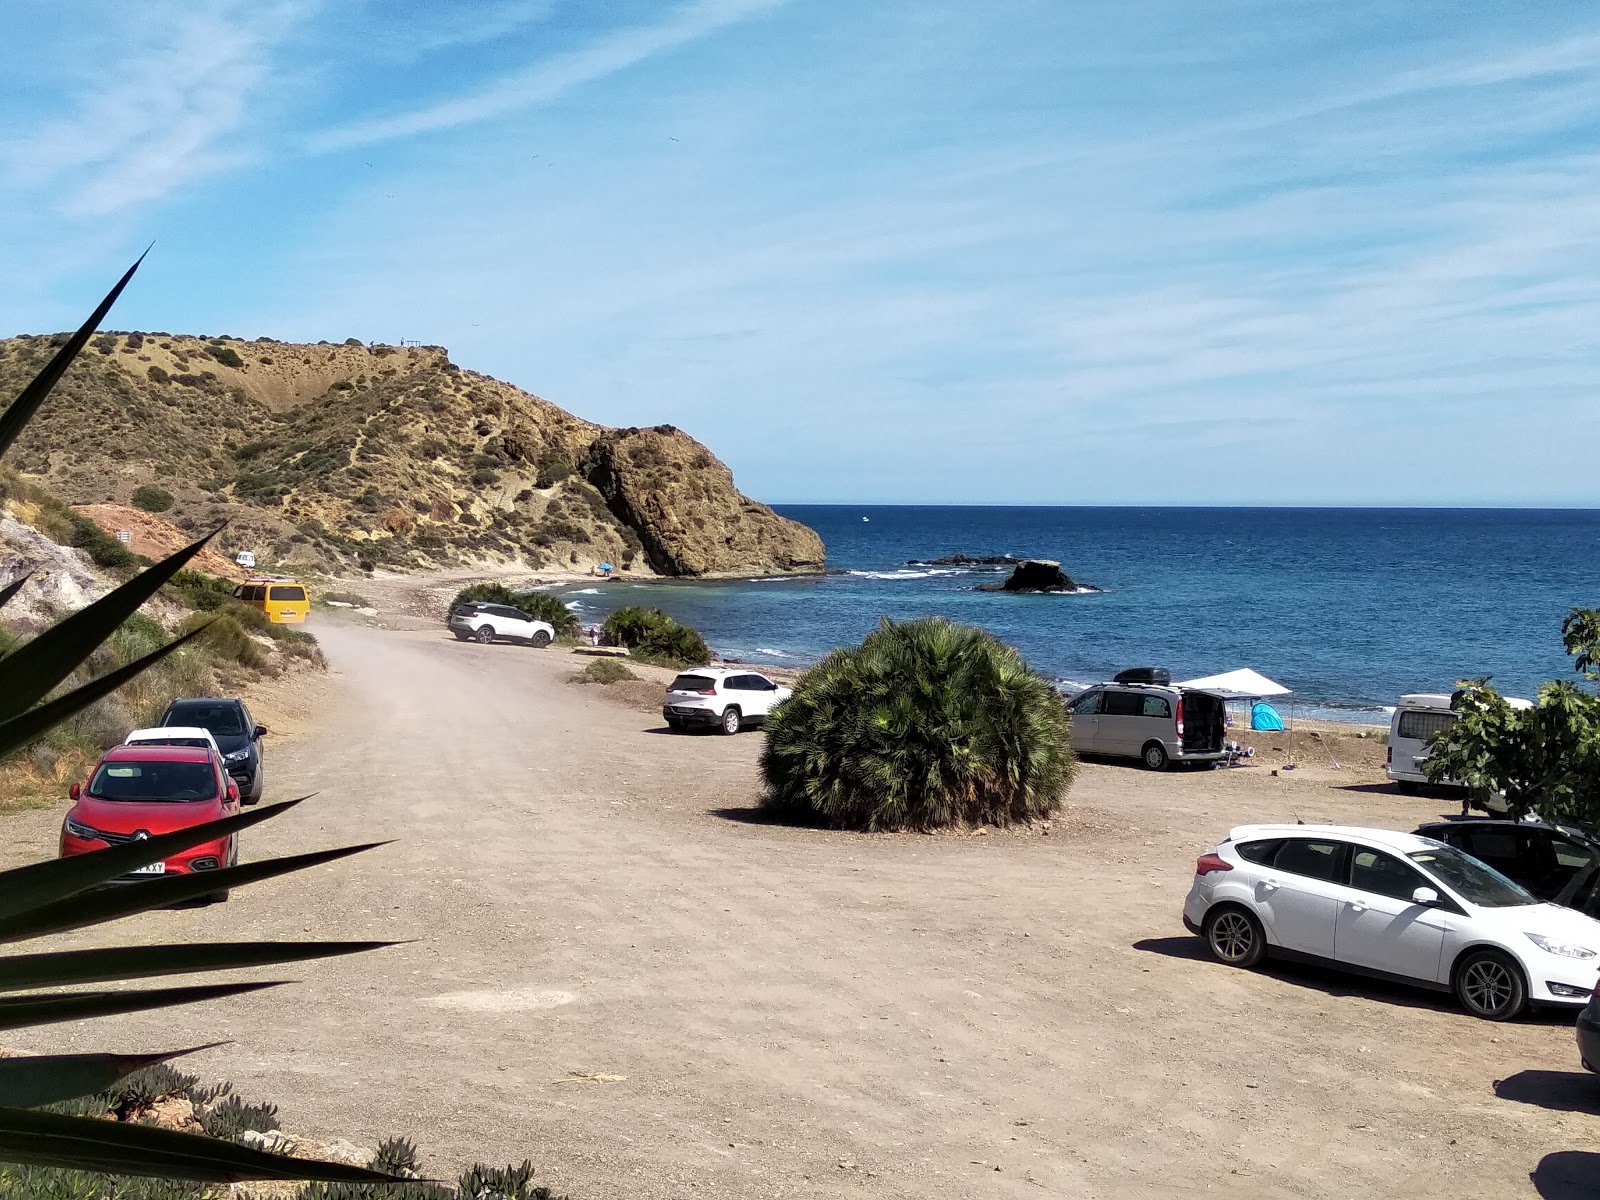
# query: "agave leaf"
{"points": [[32, 671], [21, 971], [24, 406], [46, 1078], [159, 891], [12, 588], [25, 889], [17, 1012], [19, 731], [85, 1144]]}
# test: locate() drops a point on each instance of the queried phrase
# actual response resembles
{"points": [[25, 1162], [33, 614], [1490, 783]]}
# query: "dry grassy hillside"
{"points": [[333, 456]]}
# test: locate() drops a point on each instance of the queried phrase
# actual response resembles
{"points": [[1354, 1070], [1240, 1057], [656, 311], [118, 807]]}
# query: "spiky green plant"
{"points": [[925, 724], [63, 894], [653, 637]]}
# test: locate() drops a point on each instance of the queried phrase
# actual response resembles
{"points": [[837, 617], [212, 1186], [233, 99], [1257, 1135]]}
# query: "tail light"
{"points": [[710, 691], [1208, 863], [1180, 717], [1388, 756]]}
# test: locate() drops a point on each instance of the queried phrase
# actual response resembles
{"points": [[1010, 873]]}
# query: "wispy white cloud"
{"points": [[162, 116], [551, 78]]}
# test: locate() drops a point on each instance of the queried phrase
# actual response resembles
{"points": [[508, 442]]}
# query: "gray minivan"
{"points": [[1157, 724]]}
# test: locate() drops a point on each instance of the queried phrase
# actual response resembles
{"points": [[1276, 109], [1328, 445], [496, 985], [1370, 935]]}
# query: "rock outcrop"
{"points": [[690, 518], [1037, 575], [328, 457], [965, 560]]}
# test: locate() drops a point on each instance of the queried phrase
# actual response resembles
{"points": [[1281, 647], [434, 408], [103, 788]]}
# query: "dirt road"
{"points": [[778, 1012]]}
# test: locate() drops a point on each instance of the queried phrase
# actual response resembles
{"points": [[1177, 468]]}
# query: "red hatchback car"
{"points": [[139, 791]]}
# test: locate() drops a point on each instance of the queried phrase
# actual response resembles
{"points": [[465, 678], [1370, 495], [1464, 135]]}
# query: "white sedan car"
{"points": [[1392, 905], [723, 698]]}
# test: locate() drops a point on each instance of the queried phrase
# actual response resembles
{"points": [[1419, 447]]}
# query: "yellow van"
{"points": [[283, 600]]}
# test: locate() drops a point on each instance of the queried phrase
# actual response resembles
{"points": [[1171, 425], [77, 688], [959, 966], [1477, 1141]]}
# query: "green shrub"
{"points": [[99, 545], [227, 639], [553, 468], [151, 498], [488, 593], [925, 724], [231, 1116], [484, 476], [604, 670], [547, 607], [674, 646], [197, 590], [627, 626], [227, 356]]}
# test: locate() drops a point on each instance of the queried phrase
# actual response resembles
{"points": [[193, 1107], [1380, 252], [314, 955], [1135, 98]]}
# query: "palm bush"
{"points": [[925, 724], [64, 894], [653, 637]]}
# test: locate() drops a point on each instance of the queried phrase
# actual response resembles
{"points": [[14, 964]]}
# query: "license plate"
{"points": [[155, 868]]}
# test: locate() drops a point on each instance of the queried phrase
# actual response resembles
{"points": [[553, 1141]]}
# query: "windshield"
{"points": [[1472, 880], [153, 781], [221, 719]]}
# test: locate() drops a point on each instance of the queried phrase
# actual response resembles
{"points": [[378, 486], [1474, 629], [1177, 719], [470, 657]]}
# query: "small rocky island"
{"points": [[1038, 575], [965, 560]]}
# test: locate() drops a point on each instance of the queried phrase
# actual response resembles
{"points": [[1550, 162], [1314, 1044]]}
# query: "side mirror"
{"points": [[1425, 895], [261, 732], [75, 791], [233, 790]]}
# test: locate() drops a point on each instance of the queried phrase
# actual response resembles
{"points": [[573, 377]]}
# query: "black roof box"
{"points": [[1156, 675]]}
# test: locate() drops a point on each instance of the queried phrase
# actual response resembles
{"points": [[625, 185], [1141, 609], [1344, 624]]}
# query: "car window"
{"points": [[737, 683], [1087, 705], [1258, 852], [288, 593], [1313, 859], [1157, 706], [760, 683], [1473, 880], [154, 781], [1423, 725], [1494, 846], [693, 683], [1570, 855], [1383, 874], [220, 719], [1123, 704]]}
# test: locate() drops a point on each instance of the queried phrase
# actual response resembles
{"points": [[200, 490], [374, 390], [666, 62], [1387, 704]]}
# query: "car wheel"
{"points": [[731, 720], [675, 725], [460, 636], [1490, 985], [1234, 936], [541, 639], [1155, 756], [219, 897], [1406, 787], [485, 634]]}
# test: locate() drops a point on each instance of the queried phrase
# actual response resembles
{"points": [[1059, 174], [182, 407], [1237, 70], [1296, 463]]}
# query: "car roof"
{"points": [[198, 754], [191, 701], [161, 731], [720, 672], [1389, 839]]}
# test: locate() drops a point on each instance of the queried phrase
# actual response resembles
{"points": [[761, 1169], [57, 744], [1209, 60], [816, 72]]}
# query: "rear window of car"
{"points": [[220, 719], [1258, 852], [288, 593], [154, 781], [693, 683], [1423, 725]]}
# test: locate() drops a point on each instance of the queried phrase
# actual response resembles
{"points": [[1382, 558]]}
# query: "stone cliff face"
{"points": [[336, 456], [689, 516]]}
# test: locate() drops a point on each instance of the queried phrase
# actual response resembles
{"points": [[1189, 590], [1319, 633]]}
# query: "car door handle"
{"points": [[1269, 885], [1357, 906]]}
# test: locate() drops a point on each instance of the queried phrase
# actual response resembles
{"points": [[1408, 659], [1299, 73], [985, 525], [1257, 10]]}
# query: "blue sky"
{"points": [[1151, 251]]}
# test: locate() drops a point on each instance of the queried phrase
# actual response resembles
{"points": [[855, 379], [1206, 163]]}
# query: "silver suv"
{"points": [[1155, 723]]}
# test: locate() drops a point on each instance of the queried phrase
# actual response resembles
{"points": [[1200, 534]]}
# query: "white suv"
{"points": [[488, 622], [725, 698], [1393, 905]]}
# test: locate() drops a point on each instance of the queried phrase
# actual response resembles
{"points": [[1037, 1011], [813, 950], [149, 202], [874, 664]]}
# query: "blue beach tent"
{"points": [[1264, 717]]}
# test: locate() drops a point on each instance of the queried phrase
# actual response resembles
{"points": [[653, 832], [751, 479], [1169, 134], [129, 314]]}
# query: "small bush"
{"points": [[227, 639], [553, 468], [604, 670], [99, 545], [197, 590], [485, 476], [231, 1116], [653, 637], [547, 607], [227, 356], [151, 498], [626, 627], [925, 724]]}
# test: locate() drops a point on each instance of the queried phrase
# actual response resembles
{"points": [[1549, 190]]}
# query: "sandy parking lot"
{"points": [[782, 1012]]}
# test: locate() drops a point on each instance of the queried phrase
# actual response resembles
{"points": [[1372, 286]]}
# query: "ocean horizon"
{"points": [[1350, 607]]}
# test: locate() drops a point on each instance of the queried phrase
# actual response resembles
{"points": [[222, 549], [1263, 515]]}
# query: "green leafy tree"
{"points": [[64, 894], [925, 724], [1544, 759]]}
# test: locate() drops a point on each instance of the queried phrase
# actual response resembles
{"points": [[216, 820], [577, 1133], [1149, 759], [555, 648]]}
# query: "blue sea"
{"points": [[1348, 607]]}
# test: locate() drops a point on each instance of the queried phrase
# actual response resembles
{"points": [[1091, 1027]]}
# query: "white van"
{"points": [[1417, 718]]}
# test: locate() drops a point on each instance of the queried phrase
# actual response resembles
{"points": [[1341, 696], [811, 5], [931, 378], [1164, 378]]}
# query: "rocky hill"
{"points": [[334, 456]]}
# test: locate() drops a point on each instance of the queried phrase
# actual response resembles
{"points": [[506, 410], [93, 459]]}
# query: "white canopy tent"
{"points": [[1243, 684]]}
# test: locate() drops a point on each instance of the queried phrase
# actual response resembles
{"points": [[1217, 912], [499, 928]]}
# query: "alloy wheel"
{"points": [[1488, 985], [1232, 937]]}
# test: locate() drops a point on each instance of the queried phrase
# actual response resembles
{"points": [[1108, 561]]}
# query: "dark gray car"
{"points": [[237, 735]]}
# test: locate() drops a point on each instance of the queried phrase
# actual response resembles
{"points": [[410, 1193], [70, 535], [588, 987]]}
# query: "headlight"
{"points": [[237, 755], [1561, 949], [79, 830]]}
